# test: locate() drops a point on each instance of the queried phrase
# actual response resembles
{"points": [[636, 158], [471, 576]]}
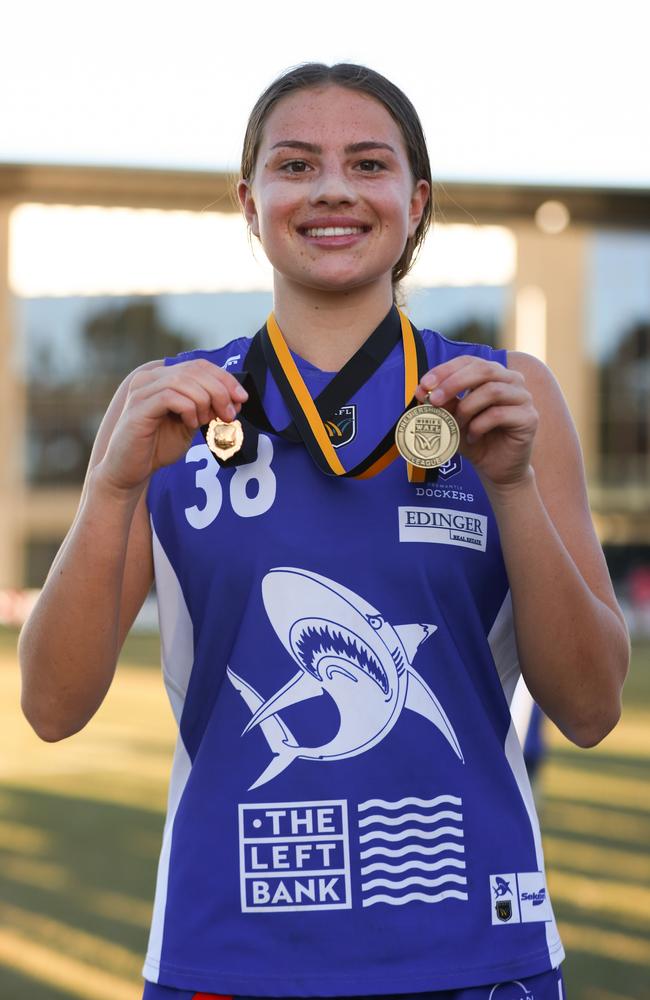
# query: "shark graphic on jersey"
{"points": [[347, 776], [345, 648]]}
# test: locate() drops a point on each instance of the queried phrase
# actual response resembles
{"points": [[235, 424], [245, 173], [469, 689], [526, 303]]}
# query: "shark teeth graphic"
{"points": [[346, 650], [317, 640]]}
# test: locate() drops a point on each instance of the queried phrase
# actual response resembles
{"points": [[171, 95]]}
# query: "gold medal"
{"points": [[224, 439], [427, 436]]}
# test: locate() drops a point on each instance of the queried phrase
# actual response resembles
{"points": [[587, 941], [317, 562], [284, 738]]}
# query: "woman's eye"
{"points": [[295, 167], [370, 166]]}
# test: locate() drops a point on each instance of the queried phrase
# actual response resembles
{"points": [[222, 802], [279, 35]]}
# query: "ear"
{"points": [[419, 199], [245, 195]]}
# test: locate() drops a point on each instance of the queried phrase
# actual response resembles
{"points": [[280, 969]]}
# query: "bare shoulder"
{"points": [[557, 451], [538, 376]]}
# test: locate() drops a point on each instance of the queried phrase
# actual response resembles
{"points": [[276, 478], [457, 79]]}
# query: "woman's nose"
{"points": [[332, 186]]}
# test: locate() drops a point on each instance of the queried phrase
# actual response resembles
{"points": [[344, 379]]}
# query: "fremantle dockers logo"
{"points": [[342, 425], [427, 433]]}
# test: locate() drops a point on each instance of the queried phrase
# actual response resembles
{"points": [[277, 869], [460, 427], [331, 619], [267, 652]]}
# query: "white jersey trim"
{"points": [[177, 653], [504, 648], [506, 658]]}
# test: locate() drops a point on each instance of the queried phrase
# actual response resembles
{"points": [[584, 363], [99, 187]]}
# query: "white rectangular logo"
{"points": [[443, 526], [294, 856], [520, 897]]}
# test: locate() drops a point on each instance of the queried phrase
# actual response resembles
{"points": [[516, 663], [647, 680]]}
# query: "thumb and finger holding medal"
{"points": [[479, 396], [428, 434]]}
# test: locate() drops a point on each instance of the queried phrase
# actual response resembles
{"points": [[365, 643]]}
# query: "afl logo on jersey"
{"points": [[342, 425]]}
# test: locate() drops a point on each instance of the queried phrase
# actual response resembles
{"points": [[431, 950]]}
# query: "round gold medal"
{"points": [[224, 439], [427, 436]]}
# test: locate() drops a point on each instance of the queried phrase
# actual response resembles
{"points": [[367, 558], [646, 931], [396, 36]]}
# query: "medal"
{"points": [[224, 439], [427, 436], [311, 419]]}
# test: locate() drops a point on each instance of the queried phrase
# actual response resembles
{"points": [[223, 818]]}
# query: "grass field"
{"points": [[81, 821]]}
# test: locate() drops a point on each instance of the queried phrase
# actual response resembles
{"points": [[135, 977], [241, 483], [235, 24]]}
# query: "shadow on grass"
{"points": [[77, 880]]}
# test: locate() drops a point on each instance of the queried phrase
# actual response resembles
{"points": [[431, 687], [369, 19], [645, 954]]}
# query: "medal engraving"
{"points": [[224, 439], [427, 436]]}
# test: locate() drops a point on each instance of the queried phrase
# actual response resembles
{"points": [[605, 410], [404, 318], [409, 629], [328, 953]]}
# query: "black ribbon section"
{"points": [[261, 359]]}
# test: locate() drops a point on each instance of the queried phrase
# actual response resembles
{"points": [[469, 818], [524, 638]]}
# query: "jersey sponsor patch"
{"points": [[294, 856], [519, 897], [443, 527], [297, 855]]}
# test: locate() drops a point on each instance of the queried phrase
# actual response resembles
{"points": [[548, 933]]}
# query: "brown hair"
{"points": [[366, 81]]}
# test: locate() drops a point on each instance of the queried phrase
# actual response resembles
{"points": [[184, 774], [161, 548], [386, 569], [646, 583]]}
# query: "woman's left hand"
{"points": [[495, 413]]}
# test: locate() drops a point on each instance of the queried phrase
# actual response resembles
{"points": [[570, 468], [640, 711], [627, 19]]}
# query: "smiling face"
{"points": [[332, 198]]}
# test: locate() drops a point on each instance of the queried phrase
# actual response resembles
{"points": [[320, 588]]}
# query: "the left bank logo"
{"points": [[294, 856], [342, 425]]}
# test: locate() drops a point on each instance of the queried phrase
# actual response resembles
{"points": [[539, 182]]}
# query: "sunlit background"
{"points": [[120, 126]]}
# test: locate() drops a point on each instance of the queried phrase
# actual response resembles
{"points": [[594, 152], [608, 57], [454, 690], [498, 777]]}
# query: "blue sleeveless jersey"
{"points": [[349, 811]]}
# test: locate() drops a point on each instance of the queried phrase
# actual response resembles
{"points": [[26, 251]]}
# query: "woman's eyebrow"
{"points": [[309, 147], [355, 147], [362, 147]]}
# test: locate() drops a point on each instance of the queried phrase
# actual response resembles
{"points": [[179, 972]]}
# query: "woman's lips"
{"points": [[333, 230], [334, 235]]}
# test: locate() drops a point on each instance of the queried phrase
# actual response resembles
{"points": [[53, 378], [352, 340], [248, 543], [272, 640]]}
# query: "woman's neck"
{"points": [[326, 328]]}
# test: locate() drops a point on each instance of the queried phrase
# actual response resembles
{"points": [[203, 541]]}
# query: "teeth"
{"points": [[334, 231]]}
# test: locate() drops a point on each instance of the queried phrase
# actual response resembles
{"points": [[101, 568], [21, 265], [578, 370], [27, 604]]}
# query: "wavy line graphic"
{"points": [[409, 801], [449, 831], [416, 863], [387, 883], [398, 852], [423, 897], [411, 817]]}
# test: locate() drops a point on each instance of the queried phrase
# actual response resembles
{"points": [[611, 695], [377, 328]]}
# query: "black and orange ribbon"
{"points": [[269, 353]]}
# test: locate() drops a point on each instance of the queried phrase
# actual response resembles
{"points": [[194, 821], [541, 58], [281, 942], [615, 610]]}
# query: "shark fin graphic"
{"points": [[276, 766], [421, 699], [301, 687], [412, 637], [278, 736]]}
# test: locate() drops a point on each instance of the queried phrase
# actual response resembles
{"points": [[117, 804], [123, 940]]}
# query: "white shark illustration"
{"points": [[345, 648]]}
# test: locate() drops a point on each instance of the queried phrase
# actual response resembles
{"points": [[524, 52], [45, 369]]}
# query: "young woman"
{"points": [[349, 813]]}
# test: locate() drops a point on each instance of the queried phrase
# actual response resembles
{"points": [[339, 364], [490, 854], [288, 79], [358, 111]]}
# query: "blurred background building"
{"points": [[104, 268]]}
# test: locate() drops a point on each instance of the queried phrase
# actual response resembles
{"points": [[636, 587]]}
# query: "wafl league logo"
{"points": [[427, 436], [342, 425]]}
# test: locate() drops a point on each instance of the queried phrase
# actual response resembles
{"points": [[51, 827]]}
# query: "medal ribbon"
{"points": [[269, 352], [309, 415]]}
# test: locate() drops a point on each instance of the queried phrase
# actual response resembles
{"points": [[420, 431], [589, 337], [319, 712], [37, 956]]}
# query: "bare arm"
{"points": [[571, 636], [69, 646]]}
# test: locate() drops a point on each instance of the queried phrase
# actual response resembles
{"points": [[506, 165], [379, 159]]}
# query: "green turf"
{"points": [[81, 821]]}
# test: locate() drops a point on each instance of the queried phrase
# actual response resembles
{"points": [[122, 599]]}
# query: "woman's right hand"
{"points": [[164, 407]]}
